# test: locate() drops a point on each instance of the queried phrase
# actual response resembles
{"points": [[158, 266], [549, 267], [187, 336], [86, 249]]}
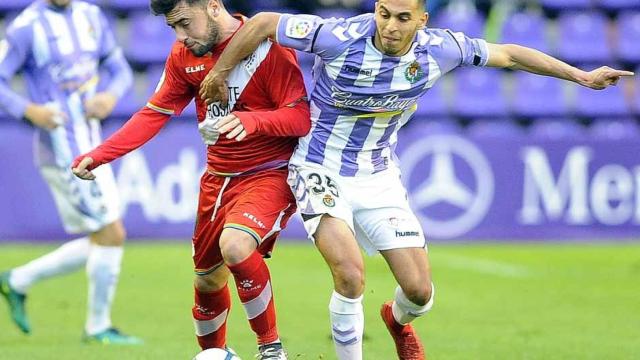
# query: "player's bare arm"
{"points": [[255, 30], [522, 58]]}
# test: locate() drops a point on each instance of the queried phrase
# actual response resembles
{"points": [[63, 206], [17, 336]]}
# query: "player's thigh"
{"points": [[262, 206], [318, 193], [212, 281], [338, 246], [208, 228], [84, 206]]}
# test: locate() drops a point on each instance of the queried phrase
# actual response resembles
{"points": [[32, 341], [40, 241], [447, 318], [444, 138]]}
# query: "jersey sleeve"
{"points": [[15, 49], [326, 38], [282, 81], [454, 49], [107, 40], [173, 92]]}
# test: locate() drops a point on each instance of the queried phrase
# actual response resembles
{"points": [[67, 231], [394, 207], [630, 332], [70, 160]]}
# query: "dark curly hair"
{"points": [[163, 7]]}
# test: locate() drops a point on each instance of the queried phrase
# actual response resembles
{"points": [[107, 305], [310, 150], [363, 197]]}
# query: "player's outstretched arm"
{"points": [[142, 127], [522, 58], [244, 42]]}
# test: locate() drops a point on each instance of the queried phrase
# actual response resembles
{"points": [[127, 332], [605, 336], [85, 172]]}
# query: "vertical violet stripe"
{"points": [[320, 136], [355, 58], [376, 158], [53, 46], [385, 76], [356, 141], [72, 28]]}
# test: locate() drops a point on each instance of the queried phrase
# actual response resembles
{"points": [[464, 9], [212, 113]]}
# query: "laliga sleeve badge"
{"points": [[328, 200], [298, 28]]}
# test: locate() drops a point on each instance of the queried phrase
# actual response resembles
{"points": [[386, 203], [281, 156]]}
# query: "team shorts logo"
{"points": [[328, 200], [414, 72], [298, 28]]}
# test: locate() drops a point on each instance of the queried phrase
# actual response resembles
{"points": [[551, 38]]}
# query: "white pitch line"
{"points": [[483, 265]]}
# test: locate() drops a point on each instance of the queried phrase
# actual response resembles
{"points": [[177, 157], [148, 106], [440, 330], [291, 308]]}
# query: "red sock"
{"points": [[254, 288], [210, 314]]}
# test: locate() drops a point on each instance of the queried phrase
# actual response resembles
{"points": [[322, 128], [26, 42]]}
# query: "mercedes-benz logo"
{"points": [[441, 183]]}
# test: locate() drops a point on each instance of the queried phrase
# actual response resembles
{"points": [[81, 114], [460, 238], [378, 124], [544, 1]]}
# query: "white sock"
{"points": [[67, 258], [103, 269], [347, 326], [405, 311]]}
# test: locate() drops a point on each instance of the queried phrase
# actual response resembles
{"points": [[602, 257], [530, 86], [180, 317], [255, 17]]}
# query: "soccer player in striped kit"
{"points": [[60, 46], [369, 72], [244, 197]]}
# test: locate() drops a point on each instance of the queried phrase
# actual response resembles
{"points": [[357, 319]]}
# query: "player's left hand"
{"points": [[80, 170], [603, 77], [100, 106], [214, 88], [232, 126]]}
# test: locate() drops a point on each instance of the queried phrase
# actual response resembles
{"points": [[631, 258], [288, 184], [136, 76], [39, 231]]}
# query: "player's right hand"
{"points": [[44, 116], [213, 88], [79, 168]]}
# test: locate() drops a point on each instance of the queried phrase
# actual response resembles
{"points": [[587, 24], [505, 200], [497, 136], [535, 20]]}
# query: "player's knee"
{"points": [[419, 293], [119, 234], [113, 234], [349, 279], [236, 245], [209, 282]]}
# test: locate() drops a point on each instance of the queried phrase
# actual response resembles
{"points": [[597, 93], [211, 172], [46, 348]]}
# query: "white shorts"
{"points": [[84, 206], [375, 207]]}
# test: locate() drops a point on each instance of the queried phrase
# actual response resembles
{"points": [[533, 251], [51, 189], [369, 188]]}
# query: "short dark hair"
{"points": [[163, 7]]}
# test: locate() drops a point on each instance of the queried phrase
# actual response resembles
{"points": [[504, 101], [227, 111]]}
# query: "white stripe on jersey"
{"points": [[338, 140], [434, 72], [84, 29], [41, 52], [61, 147], [399, 81], [372, 60], [80, 125], [61, 32], [242, 73], [380, 124], [334, 67], [303, 144]]}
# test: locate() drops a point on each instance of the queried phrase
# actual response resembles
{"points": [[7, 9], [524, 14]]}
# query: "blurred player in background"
{"points": [[61, 45], [369, 72], [244, 197]]}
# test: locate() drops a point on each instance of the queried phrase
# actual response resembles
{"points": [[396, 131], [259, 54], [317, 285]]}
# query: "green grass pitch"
{"points": [[493, 301]]}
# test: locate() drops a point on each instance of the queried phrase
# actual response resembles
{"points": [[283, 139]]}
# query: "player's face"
{"points": [[397, 22], [60, 3], [194, 27]]}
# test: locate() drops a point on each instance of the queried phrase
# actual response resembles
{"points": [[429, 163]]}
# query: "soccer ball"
{"points": [[217, 354]]}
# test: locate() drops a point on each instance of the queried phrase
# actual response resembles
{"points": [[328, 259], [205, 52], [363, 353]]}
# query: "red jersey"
{"points": [[266, 92]]}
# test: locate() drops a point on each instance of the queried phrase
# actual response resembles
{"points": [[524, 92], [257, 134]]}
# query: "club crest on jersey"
{"points": [[413, 73], [298, 28], [328, 201]]}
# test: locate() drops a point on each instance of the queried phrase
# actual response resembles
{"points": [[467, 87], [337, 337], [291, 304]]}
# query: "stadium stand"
{"points": [[609, 29]]}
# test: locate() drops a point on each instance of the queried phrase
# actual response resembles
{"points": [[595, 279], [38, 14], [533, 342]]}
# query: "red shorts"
{"points": [[259, 204]]}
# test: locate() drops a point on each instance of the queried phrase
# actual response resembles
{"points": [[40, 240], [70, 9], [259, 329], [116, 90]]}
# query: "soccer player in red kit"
{"points": [[244, 198]]}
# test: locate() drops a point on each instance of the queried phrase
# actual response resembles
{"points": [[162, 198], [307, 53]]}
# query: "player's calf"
{"points": [[210, 314], [211, 308]]}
